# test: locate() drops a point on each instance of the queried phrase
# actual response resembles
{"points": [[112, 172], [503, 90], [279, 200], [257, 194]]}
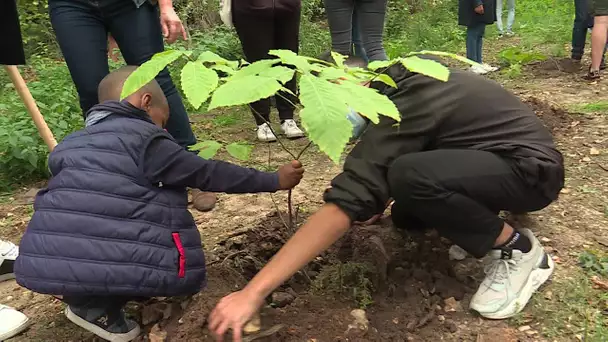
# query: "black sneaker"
{"points": [[111, 326], [592, 75], [8, 255]]}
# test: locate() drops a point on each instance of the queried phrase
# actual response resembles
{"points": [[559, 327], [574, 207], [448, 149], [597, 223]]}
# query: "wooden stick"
{"points": [[31, 106]]}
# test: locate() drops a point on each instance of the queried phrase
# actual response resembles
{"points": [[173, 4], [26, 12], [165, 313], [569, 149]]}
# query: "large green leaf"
{"points": [[291, 58], [426, 67], [255, 68], [386, 79], [210, 57], [375, 65], [444, 54], [369, 102], [324, 115], [338, 59], [239, 151], [198, 82], [148, 71], [207, 149], [244, 90], [279, 73]]}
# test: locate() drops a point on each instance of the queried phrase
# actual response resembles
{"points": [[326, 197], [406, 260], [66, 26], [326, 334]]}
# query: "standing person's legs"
{"points": [[458, 192], [82, 37], [481, 32], [287, 37], [510, 15], [358, 49], [102, 315], [371, 14], [256, 33], [138, 34], [472, 43], [579, 29], [599, 34], [499, 17], [340, 18]]}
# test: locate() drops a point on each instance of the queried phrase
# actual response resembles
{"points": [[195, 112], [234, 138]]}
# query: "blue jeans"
{"points": [[510, 15], [475, 35], [82, 28], [358, 49], [370, 14]]}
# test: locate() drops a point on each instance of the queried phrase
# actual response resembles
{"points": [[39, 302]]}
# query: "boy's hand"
{"points": [[479, 9], [290, 175]]}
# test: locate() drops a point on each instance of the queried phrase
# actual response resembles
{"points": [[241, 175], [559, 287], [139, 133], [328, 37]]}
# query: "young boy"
{"points": [[113, 223], [458, 157], [475, 15]]}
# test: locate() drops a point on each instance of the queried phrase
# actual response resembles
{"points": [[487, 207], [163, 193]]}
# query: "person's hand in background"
{"points": [[290, 175], [170, 23]]}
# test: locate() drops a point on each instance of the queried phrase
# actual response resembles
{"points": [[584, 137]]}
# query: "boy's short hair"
{"points": [[111, 86], [351, 61]]}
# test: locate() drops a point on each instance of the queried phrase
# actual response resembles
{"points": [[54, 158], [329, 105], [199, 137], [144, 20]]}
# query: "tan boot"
{"points": [[203, 201]]}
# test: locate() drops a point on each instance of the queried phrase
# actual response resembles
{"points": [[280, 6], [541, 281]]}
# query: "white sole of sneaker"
{"points": [[538, 277], [74, 318], [294, 136], [7, 276], [16, 331]]}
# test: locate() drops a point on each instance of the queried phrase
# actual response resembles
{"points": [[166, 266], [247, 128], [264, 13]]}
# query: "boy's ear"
{"points": [[146, 101]]}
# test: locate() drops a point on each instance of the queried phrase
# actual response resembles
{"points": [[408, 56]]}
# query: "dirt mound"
{"points": [[555, 118], [404, 279]]}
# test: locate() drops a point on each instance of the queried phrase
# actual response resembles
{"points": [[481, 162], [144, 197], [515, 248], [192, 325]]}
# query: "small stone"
{"points": [[548, 295], [254, 325], [157, 335], [524, 328], [452, 305], [360, 324], [545, 239], [457, 253], [396, 320], [531, 332], [594, 151], [441, 318], [180, 321], [282, 299], [451, 326], [565, 191], [586, 159], [152, 313]]}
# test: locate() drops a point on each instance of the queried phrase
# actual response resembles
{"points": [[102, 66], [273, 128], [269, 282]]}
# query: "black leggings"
{"points": [[262, 31], [459, 193]]}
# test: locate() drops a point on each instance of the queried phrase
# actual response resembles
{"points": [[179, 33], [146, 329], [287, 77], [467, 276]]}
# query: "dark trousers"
{"points": [[82, 28], [459, 193], [583, 20], [107, 303], [262, 31], [475, 35], [370, 16]]}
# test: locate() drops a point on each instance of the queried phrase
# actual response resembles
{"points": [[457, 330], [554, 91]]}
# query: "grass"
{"points": [[591, 108], [571, 306]]}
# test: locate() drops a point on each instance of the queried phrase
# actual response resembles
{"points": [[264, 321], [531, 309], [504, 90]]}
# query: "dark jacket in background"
{"points": [[266, 5], [468, 17], [114, 218], [466, 112], [11, 51]]}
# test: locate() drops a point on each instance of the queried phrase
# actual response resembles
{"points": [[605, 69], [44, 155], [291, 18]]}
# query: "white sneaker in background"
{"points": [[8, 255], [291, 129], [511, 279], [489, 68], [478, 69], [265, 133], [12, 322]]}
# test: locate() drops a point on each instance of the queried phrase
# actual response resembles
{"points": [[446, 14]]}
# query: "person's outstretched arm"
{"points": [[168, 163], [323, 228]]}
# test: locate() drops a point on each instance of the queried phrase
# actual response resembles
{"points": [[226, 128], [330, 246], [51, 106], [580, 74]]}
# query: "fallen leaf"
{"points": [[602, 284]]}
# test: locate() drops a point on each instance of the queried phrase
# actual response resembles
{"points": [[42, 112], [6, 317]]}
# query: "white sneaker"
{"points": [[489, 68], [511, 279], [478, 69], [265, 133], [291, 129], [8, 255], [12, 322]]}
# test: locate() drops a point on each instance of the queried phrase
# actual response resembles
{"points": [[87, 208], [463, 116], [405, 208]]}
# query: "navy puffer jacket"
{"points": [[100, 228]]}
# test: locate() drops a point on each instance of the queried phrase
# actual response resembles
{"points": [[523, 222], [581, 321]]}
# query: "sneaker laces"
{"points": [[498, 272], [291, 124], [265, 128]]}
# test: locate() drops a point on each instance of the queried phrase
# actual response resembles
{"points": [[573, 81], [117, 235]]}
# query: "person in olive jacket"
{"points": [[475, 15], [264, 25]]}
